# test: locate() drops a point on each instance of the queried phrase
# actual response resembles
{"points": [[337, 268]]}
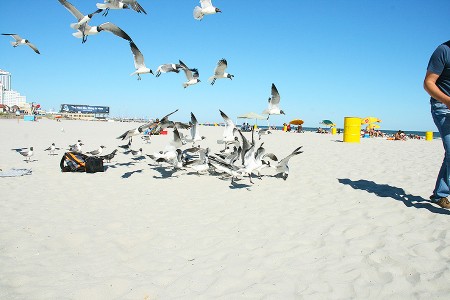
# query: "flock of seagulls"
{"points": [[83, 30], [239, 158]]}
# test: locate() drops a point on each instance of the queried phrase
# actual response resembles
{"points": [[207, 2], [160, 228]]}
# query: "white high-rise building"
{"points": [[8, 96], [5, 79]]}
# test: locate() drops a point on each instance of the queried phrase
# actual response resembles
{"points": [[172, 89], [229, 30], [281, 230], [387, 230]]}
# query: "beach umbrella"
{"points": [[372, 126], [328, 123], [296, 122], [370, 120]]}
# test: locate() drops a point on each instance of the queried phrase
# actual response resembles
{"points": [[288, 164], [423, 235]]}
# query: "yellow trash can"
{"points": [[352, 129], [429, 135], [333, 130]]}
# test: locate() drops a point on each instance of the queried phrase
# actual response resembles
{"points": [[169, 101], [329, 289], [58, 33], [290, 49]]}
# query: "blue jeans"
{"points": [[441, 117]]}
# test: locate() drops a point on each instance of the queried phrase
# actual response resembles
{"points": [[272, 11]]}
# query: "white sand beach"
{"points": [[350, 221]]}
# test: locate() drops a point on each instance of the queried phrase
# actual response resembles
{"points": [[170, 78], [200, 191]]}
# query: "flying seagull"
{"points": [[219, 71], [120, 4], [139, 62], [195, 134], [274, 103], [166, 68], [82, 19], [206, 9], [20, 41], [191, 75], [110, 27], [134, 5]]}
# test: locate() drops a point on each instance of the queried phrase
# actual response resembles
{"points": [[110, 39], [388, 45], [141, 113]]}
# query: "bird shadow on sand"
{"points": [[396, 193], [165, 172], [139, 158], [236, 185], [128, 164], [128, 174]]}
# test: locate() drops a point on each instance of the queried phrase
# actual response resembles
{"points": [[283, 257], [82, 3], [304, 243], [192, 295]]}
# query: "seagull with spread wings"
{"points": [[120, 4], [83, 20], [20, 41], [166, 68], [191, 75], [108, 26], [139, 62], [274, 103], [205, 8], [219, 71]]}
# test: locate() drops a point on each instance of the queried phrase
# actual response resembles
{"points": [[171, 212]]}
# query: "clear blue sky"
{"points": [[328, 59]]}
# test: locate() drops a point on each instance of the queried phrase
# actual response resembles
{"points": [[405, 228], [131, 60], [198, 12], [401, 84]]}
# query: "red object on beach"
{"points": [[163, 132]]}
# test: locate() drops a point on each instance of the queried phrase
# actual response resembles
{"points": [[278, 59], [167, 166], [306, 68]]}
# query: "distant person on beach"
{"points": [[437, 85]]}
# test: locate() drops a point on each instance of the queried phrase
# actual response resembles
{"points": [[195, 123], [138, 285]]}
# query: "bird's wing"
{"points": [[275, 95], [34, 48], [195, 73], [165, 68], [285, 160], [176, 139], [135, 6], [15, 36], [186, 70], [72, 9], [114, 29], [221, 66], [205, 3], [228, 121], [138, 57], [194, 127], [124, 135]]}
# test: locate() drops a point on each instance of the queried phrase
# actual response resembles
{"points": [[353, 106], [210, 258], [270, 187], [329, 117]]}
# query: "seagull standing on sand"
{"points": [[274, 103], [27, 153], [191, 75], [82, 19], [166, 68], [206, 9], [96, 151], [139, 62], [20, 41], [93, 30], [109, 156], [52, 149], [219, 71], [76, 147]]}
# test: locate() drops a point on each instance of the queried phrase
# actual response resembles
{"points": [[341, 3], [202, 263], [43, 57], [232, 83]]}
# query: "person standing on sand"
{"points": [[437, 85]]}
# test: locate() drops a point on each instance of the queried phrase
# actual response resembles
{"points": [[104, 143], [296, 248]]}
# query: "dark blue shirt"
{"points": [[440, 64]]}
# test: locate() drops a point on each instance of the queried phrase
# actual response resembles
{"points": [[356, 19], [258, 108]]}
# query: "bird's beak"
{"points": [[218, 10]]}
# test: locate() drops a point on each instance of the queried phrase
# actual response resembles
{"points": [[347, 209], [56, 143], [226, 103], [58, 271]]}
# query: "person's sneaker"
{"points": [[443, 202]]}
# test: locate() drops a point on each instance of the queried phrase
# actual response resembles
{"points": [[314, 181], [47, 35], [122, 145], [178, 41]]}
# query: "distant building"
{"points": [[11, 98], [5, 79], [7, 95]]}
